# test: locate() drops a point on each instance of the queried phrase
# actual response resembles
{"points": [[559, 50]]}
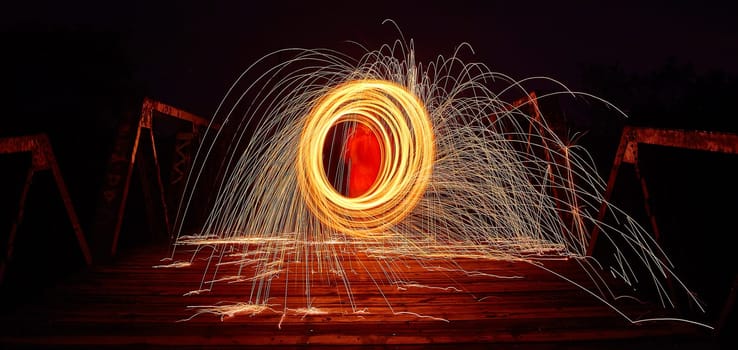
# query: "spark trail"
{"points": [[466, 172]]}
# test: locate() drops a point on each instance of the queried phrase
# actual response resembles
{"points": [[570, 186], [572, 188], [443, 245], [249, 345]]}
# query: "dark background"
{"points": [[73, 69]]}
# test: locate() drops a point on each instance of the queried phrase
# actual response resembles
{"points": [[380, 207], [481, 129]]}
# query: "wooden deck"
{"points": [[129, 304]]}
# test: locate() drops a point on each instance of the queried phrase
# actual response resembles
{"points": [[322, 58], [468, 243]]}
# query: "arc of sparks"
{"points": [[464, 173]]}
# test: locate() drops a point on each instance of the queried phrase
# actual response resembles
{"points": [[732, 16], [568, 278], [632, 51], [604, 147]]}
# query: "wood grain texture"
{"points": [[130, 304]]}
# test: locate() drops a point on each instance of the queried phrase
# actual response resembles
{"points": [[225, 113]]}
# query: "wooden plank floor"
{"points": [[130, 304]]}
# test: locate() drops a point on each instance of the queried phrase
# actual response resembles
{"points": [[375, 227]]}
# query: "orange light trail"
{"points": [[463, 174], [405, 134]]}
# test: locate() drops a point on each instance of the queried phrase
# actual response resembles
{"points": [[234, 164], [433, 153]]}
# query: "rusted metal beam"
{"points": [[18, 144], [42, 158], [146, 121], [688, 139], [529, 105], [627, 152], [163, 108], [614, 171], [126, 187]]}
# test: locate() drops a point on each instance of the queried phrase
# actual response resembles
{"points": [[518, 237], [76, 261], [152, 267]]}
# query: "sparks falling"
{"points": [[465, 172]]}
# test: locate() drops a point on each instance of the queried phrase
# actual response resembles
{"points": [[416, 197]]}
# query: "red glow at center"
{"points": [[364, 156]]}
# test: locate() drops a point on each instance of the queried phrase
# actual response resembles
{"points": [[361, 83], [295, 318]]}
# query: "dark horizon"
{"points": [[188, 55]]}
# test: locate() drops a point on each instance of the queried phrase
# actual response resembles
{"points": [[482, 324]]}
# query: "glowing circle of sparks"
{"points": [[401, 123]]}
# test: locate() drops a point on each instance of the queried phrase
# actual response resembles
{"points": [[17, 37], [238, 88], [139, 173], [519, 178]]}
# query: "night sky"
{"points": [[72, 68], [187, 53]]}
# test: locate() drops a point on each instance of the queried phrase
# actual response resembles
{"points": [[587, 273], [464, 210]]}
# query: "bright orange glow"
{"points": [[401, 125], [364, 155], [461, 173]]}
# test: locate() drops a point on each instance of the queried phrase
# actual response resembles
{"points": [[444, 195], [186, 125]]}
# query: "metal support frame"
{"points": [[42, 158], [573, 217], [145, 122], [627, 152]]}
